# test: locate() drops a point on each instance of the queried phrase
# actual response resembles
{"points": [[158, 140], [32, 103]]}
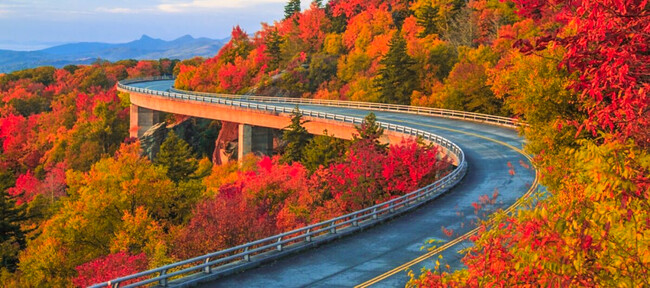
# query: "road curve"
{"points": [[491, 151]]}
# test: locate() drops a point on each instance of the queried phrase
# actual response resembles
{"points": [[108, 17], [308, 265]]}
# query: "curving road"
{"points": [[355, 259]]}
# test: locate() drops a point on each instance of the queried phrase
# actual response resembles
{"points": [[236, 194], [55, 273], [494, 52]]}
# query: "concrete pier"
{"points": [[141, 119], [254, 139]]}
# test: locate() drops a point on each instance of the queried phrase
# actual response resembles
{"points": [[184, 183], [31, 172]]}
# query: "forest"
{"points": [[81, 204]]}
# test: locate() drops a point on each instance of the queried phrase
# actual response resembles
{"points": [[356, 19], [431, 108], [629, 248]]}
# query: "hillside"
{"points": [[87, 52], [417, 53], [575, 71]]}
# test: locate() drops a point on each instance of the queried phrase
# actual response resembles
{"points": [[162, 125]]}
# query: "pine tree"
{"points": [[12, 237], [370, 131], [296, 137], [176, 155], [322, 150], [273, 43], [291, 8], [399, 15], [397, 79], [427, 17]]}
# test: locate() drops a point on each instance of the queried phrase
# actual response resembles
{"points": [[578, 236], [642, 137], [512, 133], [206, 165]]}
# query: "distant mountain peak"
{"points": [[184, 38], [146, 47]]}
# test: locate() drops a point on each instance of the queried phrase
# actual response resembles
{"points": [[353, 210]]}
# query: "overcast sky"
{"points": [[36, 24]]}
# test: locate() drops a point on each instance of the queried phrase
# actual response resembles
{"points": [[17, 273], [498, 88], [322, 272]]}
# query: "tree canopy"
{"points": [[177, 157], [296, 138]]}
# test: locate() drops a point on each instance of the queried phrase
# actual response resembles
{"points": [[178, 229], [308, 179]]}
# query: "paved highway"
{"points": [[355, 259]]}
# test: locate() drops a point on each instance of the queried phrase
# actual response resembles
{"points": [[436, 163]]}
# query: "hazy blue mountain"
{"points": [[87, 52]]}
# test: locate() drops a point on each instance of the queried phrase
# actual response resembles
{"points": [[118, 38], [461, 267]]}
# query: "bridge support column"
{"points": [[141, 119], [245, 141], [263, 140], [254, 139]]}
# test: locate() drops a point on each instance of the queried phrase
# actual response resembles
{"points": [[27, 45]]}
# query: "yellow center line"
{"points": [[466, 235]]}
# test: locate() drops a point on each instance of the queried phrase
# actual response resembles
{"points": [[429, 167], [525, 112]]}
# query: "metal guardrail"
{"points": [[437, 112], [226, 261]]}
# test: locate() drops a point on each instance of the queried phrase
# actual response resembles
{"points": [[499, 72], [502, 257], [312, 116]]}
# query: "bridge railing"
{"points": [[253, 253], [429, 111]]}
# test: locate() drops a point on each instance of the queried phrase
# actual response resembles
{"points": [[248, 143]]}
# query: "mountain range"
{"points": [[87, 52]]}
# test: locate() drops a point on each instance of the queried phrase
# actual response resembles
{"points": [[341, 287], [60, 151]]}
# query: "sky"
{"points": [[37, 24]]}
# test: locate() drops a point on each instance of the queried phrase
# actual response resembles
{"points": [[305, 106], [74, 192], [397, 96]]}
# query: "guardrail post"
{"points": [[333, 228], [279, 247], [163, 282], [355, 223], [207, 269], [308, 237], [374, 213], [391, 207], [247, 257]]}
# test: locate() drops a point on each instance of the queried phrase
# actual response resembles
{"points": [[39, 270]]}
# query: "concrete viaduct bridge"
{"points": [[485, 149]]}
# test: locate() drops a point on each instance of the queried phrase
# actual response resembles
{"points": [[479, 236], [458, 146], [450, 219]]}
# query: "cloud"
{"points": [[176, 7], [5, 10], [117, 10]]}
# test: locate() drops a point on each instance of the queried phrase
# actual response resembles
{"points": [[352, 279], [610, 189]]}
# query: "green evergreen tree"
{"points": [[397, 79], [370, 131], [427, 17], [291, 8], [273, 49], [399, 15], [12, 237], [338, 23], [321, 69], [109, 130], [176, 155], [296, 137], [318, 3], [322, 150]]}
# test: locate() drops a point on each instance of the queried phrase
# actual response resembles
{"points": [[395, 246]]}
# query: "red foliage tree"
{"points": [[110, 267], [312, 25], [26, 188], [609, 48], [144, 68], [350, 8], [357, 181], [12, 133], [233, 76], [53, 185], [238, 46], [225, 221], [408, 166], [270, 189]]}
